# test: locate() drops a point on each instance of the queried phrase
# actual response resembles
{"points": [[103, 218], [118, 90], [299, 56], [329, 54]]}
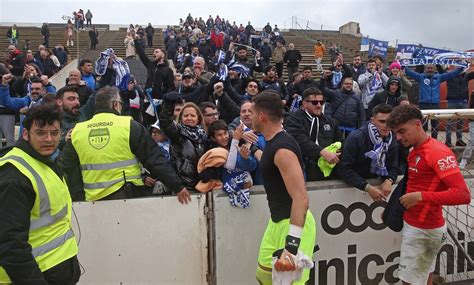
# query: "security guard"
{"points": [[37, 243], [109, 149]]}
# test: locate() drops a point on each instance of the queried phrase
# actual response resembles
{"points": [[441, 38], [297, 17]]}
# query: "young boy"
{"points": [[236, 178], [163, 142]]}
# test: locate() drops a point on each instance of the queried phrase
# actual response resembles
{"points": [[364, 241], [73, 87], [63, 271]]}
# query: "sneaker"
{"points": [[448, 144], [460, 143], [462, 164]]}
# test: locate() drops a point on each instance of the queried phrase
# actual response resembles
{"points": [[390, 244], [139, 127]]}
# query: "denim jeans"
{"points": [[457, 123]]}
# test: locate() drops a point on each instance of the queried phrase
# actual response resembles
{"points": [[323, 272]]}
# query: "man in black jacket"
{"points": [[371, 152], [32, 180], [313, 131], [150, 31], [357, 67], [159, 77], [292, 58], [346, 107], [307, 80], [139, 143]]}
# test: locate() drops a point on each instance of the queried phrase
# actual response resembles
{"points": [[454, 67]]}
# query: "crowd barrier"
{"points": [[159, 241]]}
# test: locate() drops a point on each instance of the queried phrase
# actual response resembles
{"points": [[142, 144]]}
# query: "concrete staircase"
{"points": [[35, 37]]}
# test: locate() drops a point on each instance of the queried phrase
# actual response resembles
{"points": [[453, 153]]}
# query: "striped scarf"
{"points": [[379, 152], [122, 71]]}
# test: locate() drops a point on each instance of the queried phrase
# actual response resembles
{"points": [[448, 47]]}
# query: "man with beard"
{"points": [[21, 104], [291, 228], [68, 100], [357, 67], [314, 131], [159, 75], [345, 106], [240, 57]]}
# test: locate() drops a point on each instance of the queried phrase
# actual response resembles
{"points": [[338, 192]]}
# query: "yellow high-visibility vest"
{"points": [[51, 236], [107, 162]]}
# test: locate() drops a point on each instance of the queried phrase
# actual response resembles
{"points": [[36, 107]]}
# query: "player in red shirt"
{"points": [[434, 180]]}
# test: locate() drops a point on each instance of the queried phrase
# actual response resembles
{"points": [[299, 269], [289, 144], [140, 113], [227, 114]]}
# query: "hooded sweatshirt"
{"points": [[385, 97]]}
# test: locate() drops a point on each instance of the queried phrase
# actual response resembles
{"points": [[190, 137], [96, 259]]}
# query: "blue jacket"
{"points": [[13, 103], [429, 85]]}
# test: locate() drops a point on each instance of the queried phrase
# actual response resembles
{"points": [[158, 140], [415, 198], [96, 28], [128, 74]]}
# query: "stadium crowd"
{"points": [[197, 97], [191, 127]]}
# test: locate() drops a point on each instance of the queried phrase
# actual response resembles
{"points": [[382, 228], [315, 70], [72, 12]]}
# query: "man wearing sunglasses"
{"points": [[313, 131]]}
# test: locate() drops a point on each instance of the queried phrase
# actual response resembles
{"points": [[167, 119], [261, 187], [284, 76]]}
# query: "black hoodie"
{"points": [[385, 97]]}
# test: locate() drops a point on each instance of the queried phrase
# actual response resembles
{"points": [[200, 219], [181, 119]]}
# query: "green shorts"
{"points": [[274, 239]]}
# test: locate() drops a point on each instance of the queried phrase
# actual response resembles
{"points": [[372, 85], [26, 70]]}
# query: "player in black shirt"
{"points": [[292, 225]]}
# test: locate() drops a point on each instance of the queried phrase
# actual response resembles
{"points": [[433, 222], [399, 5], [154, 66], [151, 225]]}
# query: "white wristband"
{"points": [[295, 231]]}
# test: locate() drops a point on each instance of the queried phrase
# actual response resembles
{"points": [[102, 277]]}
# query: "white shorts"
{"points": [[418, 253]]}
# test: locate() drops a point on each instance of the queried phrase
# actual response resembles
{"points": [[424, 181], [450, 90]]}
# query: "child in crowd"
{"points": [[158, 187], [236, 178]]}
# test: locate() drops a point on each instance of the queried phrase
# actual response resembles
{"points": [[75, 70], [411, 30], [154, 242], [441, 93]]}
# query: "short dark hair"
{"points": [[379, 57], [204, 105], [216, 126], [371, 60], [252, 80], [84, 61], [270, 102], [36, 79], [67, 88], [311, 91], [105, 97], [402, 114], [42, 115], [307, 67], [382, 108]]}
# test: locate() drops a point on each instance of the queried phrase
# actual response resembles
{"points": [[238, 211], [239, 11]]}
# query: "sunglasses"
{"points": [[316, 102]]}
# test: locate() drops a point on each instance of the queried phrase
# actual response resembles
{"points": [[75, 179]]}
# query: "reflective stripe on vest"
{"points": [[100, 185], [50, 235], [111, 165], [46, 218], [107, 161], [55, 243]]}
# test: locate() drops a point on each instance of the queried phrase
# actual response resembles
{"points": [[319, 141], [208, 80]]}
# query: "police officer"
{"points": [[37, 243], [109, 149]]}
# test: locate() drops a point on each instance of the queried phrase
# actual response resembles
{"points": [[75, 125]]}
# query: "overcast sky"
{"points": [[435, 23]]}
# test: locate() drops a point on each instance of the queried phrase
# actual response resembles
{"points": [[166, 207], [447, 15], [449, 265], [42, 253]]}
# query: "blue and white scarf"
{"points": [[336, 78], [379, 152], [296, 103], [233, 182], [122, 71], [376, 83], [223, 72]]}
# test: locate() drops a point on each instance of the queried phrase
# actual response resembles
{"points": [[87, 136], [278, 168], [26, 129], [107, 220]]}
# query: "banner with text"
{"points": [[374, 47]]}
